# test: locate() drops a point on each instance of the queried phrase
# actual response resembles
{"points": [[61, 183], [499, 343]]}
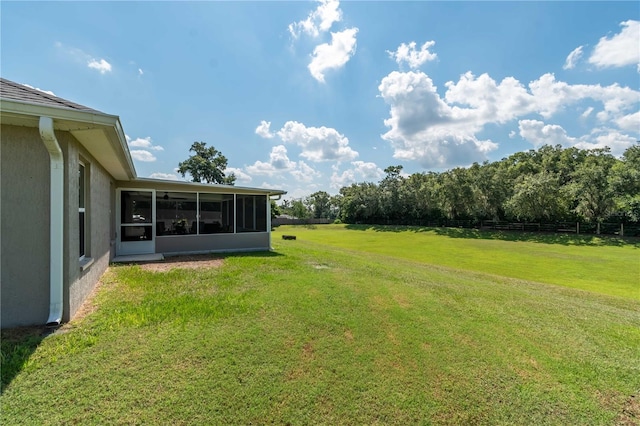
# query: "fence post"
{"points": [[577, 228], [621, 229]]}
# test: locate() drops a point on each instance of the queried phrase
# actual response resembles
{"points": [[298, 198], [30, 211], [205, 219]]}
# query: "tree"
{"points": [[537, 197], [299, 210], [591, 189], [275, 210], [391, 204], [320, 203], [207, 165], [455, 193], [490, 189], [625, 182]]}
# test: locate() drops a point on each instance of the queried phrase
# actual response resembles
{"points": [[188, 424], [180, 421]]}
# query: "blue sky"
{"points": [[308, 96]]}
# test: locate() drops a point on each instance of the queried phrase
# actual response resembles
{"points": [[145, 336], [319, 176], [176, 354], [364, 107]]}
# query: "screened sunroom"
{"points": [[180, 217]]}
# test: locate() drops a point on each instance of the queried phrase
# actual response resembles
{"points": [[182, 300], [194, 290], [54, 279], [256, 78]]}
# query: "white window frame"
{"points": [[82, 227]]}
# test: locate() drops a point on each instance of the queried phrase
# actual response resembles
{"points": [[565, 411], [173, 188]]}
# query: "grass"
{"points": [[604, 265], [342, 332]]}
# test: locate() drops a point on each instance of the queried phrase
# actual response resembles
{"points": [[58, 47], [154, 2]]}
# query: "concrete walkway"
{"points": [[152, 257]]}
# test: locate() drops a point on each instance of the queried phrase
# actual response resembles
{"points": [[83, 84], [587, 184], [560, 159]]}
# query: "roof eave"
{"points": [[209, 186], [68, 119]]}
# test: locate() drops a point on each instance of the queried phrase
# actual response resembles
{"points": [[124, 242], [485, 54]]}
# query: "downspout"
{"points": [[56, 221], [269, 221]]}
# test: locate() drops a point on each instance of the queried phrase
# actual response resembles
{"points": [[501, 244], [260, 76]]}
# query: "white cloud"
{"points": [[551, 96], [346, 178], [142, 155], [165, 176], [602, 116], [587, 112], [320, 20], [621, 49], [490, 101], [261, 168], [304, 172], [367, 170], [630, 122], [573, 58], [241, 176], [361, 171], [140, 72], [414, 58], [100, 65], [79, 55], [279, 159], [333, 55], [279, 162], [425, 128], [143, 143], [540, 134], [264, 130], [48, 92], [499, 103], [442, 131], [338, 51], [317, 143], [299, 193], [606, 137]]}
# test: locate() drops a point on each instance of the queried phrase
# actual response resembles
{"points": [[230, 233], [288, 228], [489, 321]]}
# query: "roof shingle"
{"points": [[19, 92]]}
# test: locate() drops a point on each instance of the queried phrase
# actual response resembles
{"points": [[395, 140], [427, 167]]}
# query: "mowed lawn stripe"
{"points": [[314, 334], [602, 265]]}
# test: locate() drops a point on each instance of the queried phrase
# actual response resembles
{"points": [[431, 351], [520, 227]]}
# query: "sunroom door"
{"points": [[136, 222]]}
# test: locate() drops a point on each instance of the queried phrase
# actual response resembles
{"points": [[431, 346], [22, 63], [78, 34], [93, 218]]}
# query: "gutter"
{"points": [[56, 221]]}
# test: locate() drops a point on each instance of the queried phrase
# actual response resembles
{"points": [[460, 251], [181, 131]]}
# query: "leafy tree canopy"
{"points": [[206, 165], [550, 184]]}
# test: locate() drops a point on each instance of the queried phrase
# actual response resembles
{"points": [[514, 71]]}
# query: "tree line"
{"points": [[550, 184]]}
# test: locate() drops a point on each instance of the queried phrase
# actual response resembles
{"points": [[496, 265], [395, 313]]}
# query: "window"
{"points": [[136, 216], [216, 213], [176, 213], [251, 213], [186, 213], [82, 223]]}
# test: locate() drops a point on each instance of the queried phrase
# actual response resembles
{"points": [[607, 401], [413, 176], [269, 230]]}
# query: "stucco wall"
{"points": [[98, 217], [25, 239], [24, 174], [213, 242]]}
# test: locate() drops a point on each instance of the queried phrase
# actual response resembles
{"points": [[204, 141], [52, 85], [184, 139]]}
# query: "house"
{"points": [[71, 203]]}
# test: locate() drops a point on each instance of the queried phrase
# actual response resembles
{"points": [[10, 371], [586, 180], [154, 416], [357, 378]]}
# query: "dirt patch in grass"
{"points": [[348, 335], [89, 305], [630, 412], [200, 261]]}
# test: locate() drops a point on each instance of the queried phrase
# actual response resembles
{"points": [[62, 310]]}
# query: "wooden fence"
{"points": [[581, 228]]}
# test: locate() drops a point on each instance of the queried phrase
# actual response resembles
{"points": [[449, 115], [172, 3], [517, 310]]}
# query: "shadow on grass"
{"points": [[195, 258], [535, 237], [17, 345], [254, 254]]}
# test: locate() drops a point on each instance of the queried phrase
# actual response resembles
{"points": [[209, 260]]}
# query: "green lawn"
{"points": [[351, 326], [604, 265]]}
